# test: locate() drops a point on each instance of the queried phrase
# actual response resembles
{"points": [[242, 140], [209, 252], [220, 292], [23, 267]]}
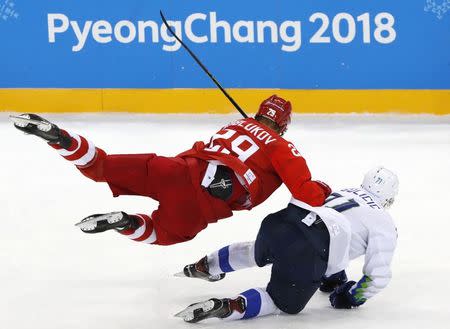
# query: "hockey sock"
{"points": [[81, 152], [257, 303], [231, 258], [143, 230]]}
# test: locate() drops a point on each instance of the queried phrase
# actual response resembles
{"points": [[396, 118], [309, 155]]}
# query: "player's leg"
{"points": [[234, 257], [250, 303], [72, 147], [126, 174], [32, 124], [230, 258], [185, 208], [300, 255], [181, 212], [254, 302], [137, 227]]}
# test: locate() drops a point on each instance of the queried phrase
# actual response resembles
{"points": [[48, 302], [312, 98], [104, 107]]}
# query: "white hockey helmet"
{"points": [[383, 184]]}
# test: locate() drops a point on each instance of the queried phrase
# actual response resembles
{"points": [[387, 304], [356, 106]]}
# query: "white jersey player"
{"points": [[355, 222]]}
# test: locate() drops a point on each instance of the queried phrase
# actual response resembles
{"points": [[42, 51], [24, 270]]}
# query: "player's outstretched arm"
{"points": [[377, 266], [294, 172]]}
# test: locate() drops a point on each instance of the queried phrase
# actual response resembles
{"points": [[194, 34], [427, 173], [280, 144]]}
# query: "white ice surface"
{"points": [[53, 276]]}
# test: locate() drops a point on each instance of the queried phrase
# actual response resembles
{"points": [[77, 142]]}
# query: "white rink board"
{"points": [[53, 276]]}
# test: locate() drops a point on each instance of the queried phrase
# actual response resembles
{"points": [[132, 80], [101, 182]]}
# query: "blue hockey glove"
{"points": [[330, 283], [342, 298]]}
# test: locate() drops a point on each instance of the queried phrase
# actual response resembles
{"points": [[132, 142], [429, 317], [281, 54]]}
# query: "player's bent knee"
{"points": [[289, 297], [293, 309], [290, 306]]}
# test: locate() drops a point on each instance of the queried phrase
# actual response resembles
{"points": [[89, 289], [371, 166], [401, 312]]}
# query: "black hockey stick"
{"points": [[236, 105]]}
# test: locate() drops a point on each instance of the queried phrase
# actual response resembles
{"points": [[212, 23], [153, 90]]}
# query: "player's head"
{"points": [[383, 184], [275, 112]]}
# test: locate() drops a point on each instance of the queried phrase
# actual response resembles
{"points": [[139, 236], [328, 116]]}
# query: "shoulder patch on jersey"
{"points": [[249, 176]]}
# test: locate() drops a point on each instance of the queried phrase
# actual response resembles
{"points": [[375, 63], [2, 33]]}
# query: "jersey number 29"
{"points": [[236, 144]]}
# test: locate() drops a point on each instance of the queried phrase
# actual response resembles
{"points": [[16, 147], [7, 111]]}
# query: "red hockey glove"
{"points": [[325, 188]]}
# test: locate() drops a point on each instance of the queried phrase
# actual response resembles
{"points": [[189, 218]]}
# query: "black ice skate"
{"points": [[104, 222], [200, 270], [35, 125], [212, 308]]}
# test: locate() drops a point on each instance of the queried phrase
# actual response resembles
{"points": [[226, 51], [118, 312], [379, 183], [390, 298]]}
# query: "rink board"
{"points": [[212, 101], [326, 57]]}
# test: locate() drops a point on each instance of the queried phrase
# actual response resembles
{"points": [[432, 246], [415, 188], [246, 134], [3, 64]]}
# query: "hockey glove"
{"points": [[330, 283], [325, 188], [343, 298]]}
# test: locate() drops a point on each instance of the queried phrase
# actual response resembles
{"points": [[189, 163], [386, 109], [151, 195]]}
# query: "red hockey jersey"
{"points": [[262, 159]]}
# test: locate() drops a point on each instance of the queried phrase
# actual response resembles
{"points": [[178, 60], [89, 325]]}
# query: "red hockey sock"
{"points": [[81, 151], [144, 232], [84, 155]]}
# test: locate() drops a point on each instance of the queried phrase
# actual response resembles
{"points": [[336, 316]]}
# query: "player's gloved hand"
{"points": [[342, 298], [325, 188], [330, 283]]}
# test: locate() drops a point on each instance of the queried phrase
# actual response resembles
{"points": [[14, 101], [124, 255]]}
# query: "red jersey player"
{"points": [[240, 167]]}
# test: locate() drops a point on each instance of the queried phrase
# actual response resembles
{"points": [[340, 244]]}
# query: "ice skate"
{"points": [[212, 308], [35, 125], [104, 222], [200, 270]]}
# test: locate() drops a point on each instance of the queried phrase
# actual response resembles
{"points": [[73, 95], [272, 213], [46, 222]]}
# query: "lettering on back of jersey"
{"points": [[364, 196], [256, 130], [259, 133]]}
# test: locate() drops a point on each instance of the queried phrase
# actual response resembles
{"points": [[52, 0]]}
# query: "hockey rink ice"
{"points": [[55, 277]]}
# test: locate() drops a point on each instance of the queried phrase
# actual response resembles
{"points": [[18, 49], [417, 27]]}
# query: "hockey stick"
{"points": [[236, 105]]}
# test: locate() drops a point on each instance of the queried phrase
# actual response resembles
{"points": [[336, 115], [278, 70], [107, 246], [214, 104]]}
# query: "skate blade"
{"points": [[90, 223], [24, 121], [211, 278], [87, 225], [188, 313]]}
